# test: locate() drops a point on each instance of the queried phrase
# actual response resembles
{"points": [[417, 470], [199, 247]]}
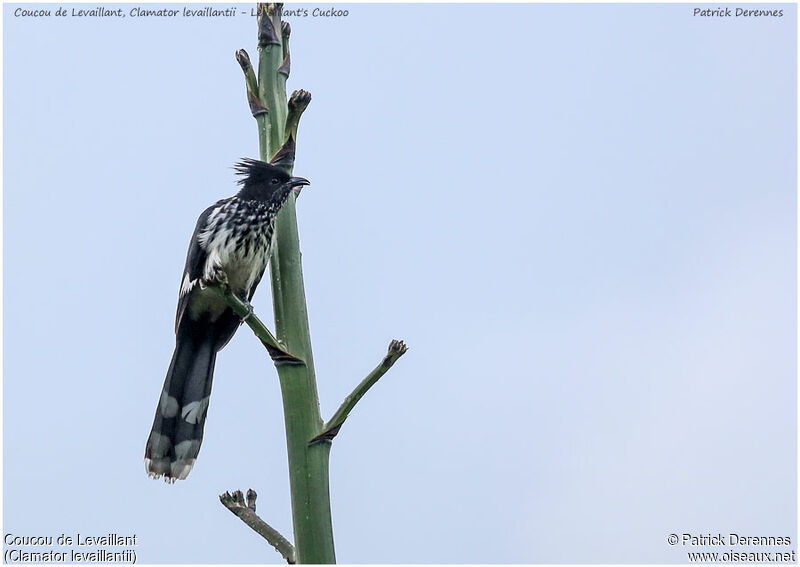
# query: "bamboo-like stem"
{"points": [[396, 350], [271, 88], [308, 466], [278, 121], [246, 511]]}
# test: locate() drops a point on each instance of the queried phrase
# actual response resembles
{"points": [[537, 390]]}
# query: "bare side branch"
{"points": [[251, 83], [247, 513], [331, 428], [277, 351], [298, 102]]}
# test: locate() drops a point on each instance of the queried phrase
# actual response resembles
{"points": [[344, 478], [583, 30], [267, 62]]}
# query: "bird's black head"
{"points": [[262, 181]]}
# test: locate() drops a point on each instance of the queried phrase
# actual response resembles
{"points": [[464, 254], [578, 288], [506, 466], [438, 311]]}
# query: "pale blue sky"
{"points": [[581, 218]]}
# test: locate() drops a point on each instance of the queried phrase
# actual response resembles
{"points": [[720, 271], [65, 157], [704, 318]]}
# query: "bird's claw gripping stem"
{"points": [[277, 350]]}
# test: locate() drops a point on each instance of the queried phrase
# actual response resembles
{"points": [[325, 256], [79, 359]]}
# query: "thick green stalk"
{"points": [[308, 464], [308, 440]]}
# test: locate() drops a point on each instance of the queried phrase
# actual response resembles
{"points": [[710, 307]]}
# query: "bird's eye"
{"points": [[274, 181]]}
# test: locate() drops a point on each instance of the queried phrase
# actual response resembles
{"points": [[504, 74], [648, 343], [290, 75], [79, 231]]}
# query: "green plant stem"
{"points": [[308, 465], [272, 89], [331, 429], [277, 121]]}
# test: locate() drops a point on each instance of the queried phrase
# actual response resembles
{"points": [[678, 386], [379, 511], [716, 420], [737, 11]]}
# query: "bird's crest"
{"points": [[255, 172]]}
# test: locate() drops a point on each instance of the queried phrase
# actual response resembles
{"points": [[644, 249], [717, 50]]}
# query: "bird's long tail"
{"points": [[177, 432]]}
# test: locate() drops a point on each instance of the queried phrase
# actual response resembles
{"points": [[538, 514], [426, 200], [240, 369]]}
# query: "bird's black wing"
{"points": [[195, 264], [256, 281]]}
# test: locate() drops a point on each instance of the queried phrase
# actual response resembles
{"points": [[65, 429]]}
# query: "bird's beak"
{"points": [[297, 181]]}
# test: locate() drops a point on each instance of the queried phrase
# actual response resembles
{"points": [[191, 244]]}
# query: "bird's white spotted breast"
{"points": [[237, 241]]}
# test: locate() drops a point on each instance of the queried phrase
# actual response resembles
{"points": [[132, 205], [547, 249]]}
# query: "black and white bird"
{"points": [[231, 243]]}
